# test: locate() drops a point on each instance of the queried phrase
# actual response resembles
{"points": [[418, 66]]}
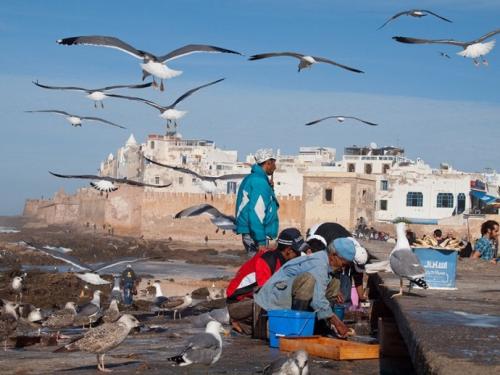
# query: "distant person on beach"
{"points": [[255, 273], [485, 247], [256, 204], [129, 278]]}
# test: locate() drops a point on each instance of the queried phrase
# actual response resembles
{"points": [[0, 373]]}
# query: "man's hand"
{"points": [[338, 326], [261, 248], [339, 298]]}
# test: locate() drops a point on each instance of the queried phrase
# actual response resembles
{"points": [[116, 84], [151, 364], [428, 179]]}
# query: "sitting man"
{"points": [[254, 273], [306, 283]]}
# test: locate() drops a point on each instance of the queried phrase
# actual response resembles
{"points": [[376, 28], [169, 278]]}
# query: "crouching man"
{"points": [[306, 283], [254, 273]]}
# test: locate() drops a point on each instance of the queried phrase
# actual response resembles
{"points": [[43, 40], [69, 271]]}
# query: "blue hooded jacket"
{"points": [[257, 207]]}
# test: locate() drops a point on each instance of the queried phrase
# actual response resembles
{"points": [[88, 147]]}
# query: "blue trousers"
{"points": [[128, 297]]}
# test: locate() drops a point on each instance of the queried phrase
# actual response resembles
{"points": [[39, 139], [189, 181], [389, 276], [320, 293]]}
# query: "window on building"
{"points": [[460, 203], [152, 144], [384, 185], [444, 200], [329, 195], [368, 168], [414, 199], [231, 187], [181, 180], [383, 205], [157, 180], [351, 167], [385, 168]]}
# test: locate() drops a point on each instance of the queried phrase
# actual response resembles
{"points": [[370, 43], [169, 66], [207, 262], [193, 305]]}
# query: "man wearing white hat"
{"points": [[256, 204]]}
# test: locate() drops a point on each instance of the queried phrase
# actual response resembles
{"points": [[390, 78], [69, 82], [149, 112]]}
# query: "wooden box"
{"points": [[326, 347]]}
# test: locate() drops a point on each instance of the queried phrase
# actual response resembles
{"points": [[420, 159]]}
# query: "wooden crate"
{"points": [[326, 347]]}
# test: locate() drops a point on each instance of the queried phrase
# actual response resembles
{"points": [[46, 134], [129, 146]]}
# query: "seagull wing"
{"points": [[52, 111], [136, 183], [145, 101], [406, 12], [106, 178], [199, 210], [192, 91], [322, 59], [60, 87], [436, 15], [102, 41], [117, 262], [101, 120], [193, 48], [178, 169], [275, 54], [233, 176], [488, 35], [62, 256], [363, 121], [139, 86], [408, 40]]}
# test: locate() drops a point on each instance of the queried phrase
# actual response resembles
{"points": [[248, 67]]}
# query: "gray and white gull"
{"points": [[154, 65], [96, 95], [220, 220], [76, 120], [341, 119], [296, 364], [473, 49], [417, 13]]}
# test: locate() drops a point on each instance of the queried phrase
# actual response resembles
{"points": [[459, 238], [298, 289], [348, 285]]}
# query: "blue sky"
{"points": [[443, 110]]}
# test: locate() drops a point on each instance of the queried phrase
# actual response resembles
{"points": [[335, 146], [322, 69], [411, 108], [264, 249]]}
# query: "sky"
{"points": [[438, 109]]}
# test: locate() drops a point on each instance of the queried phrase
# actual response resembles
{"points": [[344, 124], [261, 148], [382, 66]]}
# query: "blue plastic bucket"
{"points": [[440, 266], [339, 310], [289, 323]]}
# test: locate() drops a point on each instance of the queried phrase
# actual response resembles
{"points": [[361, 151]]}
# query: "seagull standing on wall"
{"points": [[152, 64], [473, 49]]}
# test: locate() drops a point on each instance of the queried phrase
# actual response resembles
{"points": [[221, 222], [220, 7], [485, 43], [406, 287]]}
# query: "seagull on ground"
{"points": [[220, 220], [473, 49], [96, 95], [169, 112], [306, 61], [91, 273], [152, 64], [112, 314], [402, 261], [62, 318], [90, 312], [159, 297], [177, 304], [107, 184], [102, 339], [203, 348], [76, 120], [341, 119], [17, 287], [417, 13], [296, 364], [8, 321]]}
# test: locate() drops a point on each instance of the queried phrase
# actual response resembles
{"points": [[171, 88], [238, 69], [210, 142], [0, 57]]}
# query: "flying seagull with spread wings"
{"points": [[107, 184], [341, 119], [169, 112], [152, 64], [76, 120], [90, 274], [473, 49], [222, 221], [417, 13], [97, 95], [305, 61]]}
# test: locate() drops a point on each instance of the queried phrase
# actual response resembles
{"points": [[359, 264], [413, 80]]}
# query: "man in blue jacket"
{"points": [[256, 205]]}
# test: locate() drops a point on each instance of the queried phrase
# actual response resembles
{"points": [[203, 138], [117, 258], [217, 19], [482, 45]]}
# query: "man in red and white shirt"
{"points": [[255, 272]]}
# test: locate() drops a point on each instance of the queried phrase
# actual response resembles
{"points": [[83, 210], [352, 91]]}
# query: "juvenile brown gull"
{"points": [[97, 95], [76, 120], [203, 348], [112, 314], [151, 64], [473, 49], [62, 318], [102, 339]]}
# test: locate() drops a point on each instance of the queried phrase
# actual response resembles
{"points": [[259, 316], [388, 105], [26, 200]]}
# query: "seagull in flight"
{"points": [[76, 120], [417, 13], [341, 119], [222, 221], [473, 49], [107, 184], [151, 64], [444, 54], [305, 61], [90, 274], [169, 112], [97, 95]]}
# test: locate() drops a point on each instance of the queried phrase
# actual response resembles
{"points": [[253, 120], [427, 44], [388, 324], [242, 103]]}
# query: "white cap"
{"points": [[360, 257], [264, 154]]}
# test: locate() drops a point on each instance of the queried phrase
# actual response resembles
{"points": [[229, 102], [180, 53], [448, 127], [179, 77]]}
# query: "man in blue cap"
{"points": [[306, 283]]}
